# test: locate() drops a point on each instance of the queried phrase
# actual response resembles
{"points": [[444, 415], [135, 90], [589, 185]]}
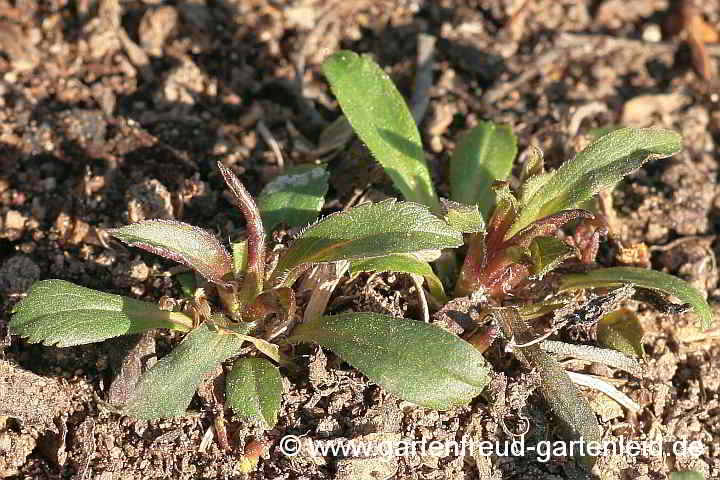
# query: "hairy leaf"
{"points": [[239, 256], [598, 167], [621, 330], [381, 118], [402, 264], [687, 475], [463, 218], [483, 155], [617, 276], [369, 230], [562, 396], [181, 242], [416, 361], [62, 313], [294, 198], [167, 388], [547, 253], [254, 390]]}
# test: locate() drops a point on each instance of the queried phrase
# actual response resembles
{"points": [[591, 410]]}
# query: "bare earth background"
{"points": [[114, 112]]}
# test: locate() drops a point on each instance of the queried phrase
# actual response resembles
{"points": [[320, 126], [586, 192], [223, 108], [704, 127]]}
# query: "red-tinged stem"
{"points": [[255, 273], [469, 279]]}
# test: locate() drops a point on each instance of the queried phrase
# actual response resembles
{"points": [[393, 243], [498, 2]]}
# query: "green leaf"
{"points": [[294, 198], [621, 330], [416, 361], [62, 313], [688, 475], [181, 242], [566, 402], [547, 253], [254, 390], [369, 230], [463, 218], [598, 167], [167, 388], [187, 282], [617, 276], [240, 257], [382, 119], [483, 155], [402, 264]]}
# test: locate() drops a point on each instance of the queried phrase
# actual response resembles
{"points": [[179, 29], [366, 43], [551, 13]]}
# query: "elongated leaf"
{"points": [[484, 154], [621, 330], [167, 388], [463, 218], [254, 390], [416, 361], [562, 396], [547, 253], [402, 264], [369, 230], [294, 198], [239, 256], [616, 276], [181, 242], [688, 475], [57, 312], [598, 167], [382, 119]]}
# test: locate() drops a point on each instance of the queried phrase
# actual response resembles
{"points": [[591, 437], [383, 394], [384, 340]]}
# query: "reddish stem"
{"points": [[255, 273]]}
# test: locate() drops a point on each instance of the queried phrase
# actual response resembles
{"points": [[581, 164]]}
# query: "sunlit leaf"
{"points": [[369, 230], [547, 253], [621, 330], [57, 312], [294, 198], [239, 256], [689, 475], [418, 362], [598, 167], [463, 218], [254, 390], [617, 276], [381, 118], [568, 404], [402, 264], [483, 154], [167, 388], [181, 242]]}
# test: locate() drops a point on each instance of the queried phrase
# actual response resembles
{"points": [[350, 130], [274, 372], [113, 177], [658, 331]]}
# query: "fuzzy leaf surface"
{"points": [[381, 118], [669, 284], [254, 390], [621, 330], [568, 404], [57, 312], [294, 198], [598, 167], [167, 388], [463, 218], [416, 361], [181, 242], [369, 230], [547, 253], [483, 154], [402, 264]]}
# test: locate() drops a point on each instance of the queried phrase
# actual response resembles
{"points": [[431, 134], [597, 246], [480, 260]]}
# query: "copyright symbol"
{"points": [[290, 445]]}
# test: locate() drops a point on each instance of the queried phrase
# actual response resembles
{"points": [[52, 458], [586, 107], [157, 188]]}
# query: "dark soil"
{"points": [[114, 112]]}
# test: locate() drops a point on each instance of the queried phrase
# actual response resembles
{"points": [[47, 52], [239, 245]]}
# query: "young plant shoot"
{"points": [[513, 235], [400, 354]]}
